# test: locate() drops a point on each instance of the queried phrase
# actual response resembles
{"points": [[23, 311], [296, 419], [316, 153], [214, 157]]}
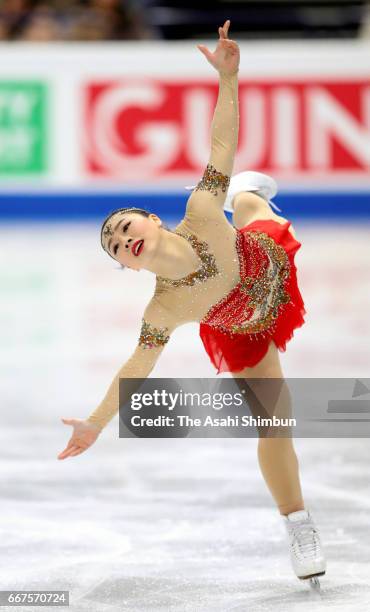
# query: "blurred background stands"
{"points": [[87, 20], [73, 20]]}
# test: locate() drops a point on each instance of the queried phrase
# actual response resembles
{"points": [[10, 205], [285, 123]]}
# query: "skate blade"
{"points": [[315, 585]]}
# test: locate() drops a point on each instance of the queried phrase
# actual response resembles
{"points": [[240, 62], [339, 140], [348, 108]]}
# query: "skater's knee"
{"points": [[248, 201], [247, 207]]}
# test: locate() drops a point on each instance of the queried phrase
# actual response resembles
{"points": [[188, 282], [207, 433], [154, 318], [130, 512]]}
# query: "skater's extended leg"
{"points": [[249, 206], [276, 455]]}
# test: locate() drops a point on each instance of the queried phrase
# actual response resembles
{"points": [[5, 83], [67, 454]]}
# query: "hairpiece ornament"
{"points": [[108, 230]]}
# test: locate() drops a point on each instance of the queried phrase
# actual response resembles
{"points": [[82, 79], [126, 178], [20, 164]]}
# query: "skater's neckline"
{"points": [[206, 270]]}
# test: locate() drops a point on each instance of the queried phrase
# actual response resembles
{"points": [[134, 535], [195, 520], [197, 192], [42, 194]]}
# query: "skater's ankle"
{"points": [[288, 508]]}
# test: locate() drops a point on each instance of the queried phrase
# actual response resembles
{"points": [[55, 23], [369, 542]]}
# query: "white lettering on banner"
{"points": [[16, 106], [366, 106], [253, 135], [198, 114], [327, 119], [22, 106], [16, 145], [162, 131], [285, 128], [160, 140]]}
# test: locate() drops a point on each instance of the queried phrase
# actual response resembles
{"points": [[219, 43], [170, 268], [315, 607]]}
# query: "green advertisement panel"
{"points": [[23, 129]]}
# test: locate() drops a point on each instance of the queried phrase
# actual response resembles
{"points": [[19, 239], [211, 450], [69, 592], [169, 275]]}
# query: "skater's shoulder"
{"points": [[202, 220]]}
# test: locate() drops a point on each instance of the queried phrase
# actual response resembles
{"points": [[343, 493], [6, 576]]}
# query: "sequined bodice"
{"points": [[254, 303], [253, 300]]}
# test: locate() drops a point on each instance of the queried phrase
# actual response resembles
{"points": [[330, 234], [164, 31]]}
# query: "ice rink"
{"points": [[169, 525]]}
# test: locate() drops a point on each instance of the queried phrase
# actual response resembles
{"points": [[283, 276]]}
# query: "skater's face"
{"points": [[134, 238]]}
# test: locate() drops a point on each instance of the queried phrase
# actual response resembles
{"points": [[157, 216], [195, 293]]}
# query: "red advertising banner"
{"points": [[145, 130]]}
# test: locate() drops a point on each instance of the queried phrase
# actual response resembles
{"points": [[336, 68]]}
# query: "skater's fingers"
{"points": [[69, 421], [221, 33], [82, 444], [230, 45], [205, 51], [67, 451], [78, 451], [225, 28], [64, 454], [68, 447]]}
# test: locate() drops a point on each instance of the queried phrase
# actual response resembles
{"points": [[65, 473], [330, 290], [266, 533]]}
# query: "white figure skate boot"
{"points": [[263, 184], [306, 553]]}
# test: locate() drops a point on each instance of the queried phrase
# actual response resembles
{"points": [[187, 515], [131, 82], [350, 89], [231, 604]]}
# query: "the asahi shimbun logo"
{"points": [[147, 129]]}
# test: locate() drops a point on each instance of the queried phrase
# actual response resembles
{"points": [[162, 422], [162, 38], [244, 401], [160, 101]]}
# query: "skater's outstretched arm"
{"points": [[212, 189], [156, 328]]}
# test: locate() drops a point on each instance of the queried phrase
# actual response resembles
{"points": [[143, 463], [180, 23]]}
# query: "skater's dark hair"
{"points": [[138, 211]]}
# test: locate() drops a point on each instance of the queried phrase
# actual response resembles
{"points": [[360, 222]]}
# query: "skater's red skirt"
{"points": [[265, 305]]}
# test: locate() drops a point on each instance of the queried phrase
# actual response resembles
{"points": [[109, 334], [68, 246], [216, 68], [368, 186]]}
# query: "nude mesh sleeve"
{"points": [[224, 140], [157, 325], [225, 125]]}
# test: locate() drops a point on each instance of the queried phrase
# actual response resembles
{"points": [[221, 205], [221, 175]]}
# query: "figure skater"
{"points": [[238, 281]]}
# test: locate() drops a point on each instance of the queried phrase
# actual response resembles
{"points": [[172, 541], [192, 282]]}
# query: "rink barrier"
{"points": [[69, 206]]}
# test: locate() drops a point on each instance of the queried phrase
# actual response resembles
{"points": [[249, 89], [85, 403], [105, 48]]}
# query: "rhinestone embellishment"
{"points": [[212, 180], [254, 304], [151, 336], [207, 269], [108, 230]]}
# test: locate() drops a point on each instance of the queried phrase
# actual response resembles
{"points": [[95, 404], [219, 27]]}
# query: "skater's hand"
{"points": [[227, 55], [84, 435]]}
